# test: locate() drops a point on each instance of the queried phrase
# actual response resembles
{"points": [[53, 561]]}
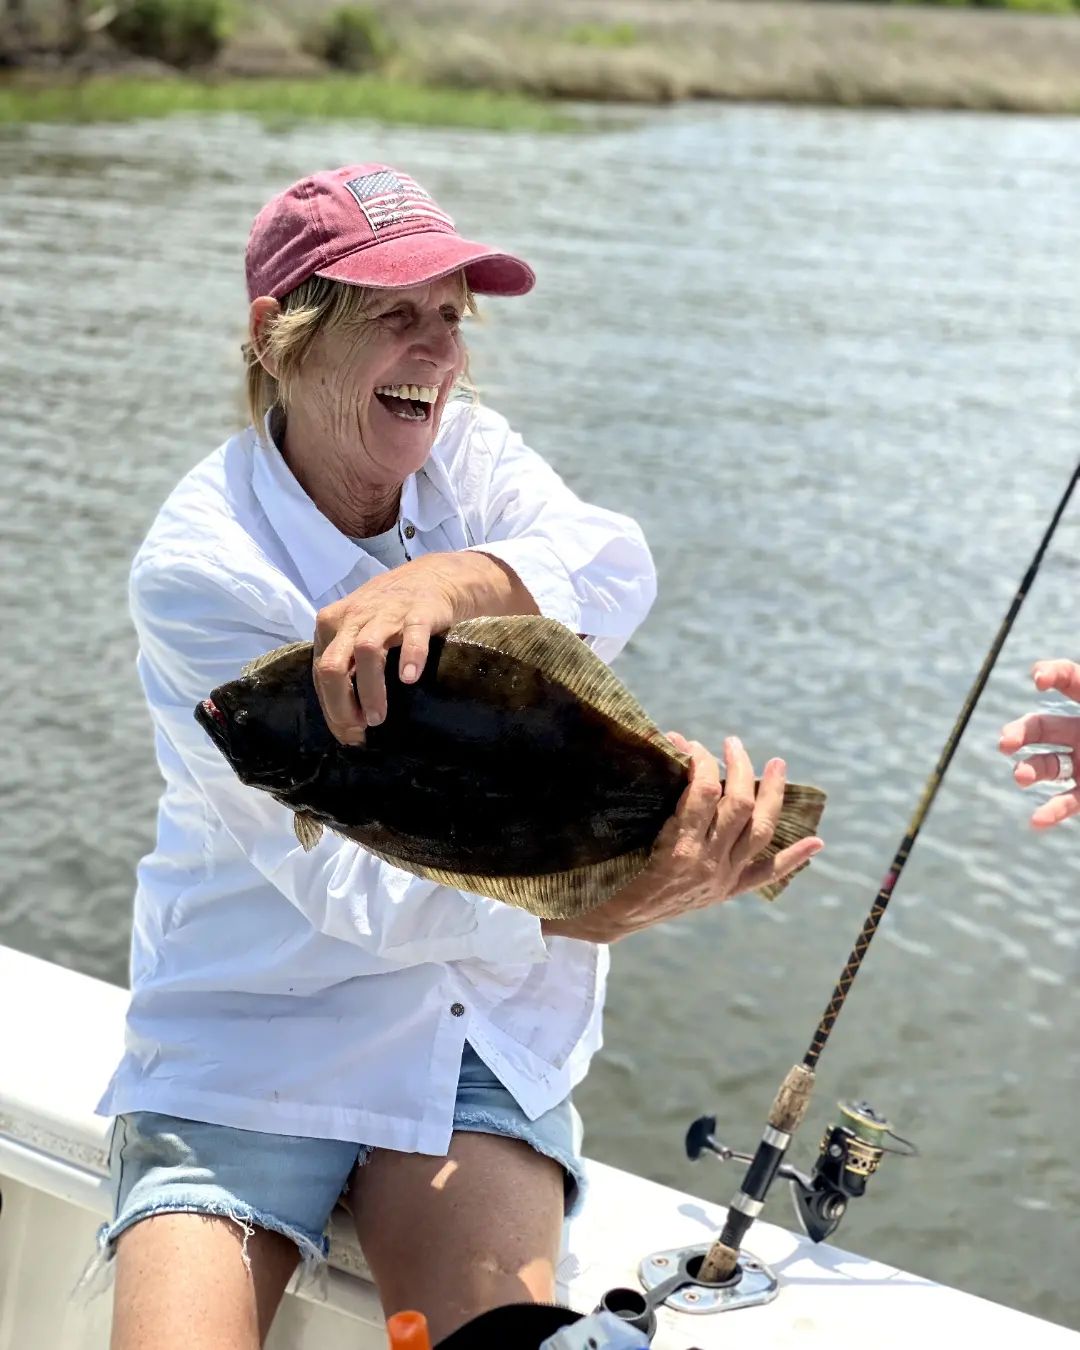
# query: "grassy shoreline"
{"points": [[121, 98], [494, 63]]}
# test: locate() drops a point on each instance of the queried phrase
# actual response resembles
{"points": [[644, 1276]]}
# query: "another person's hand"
{"points": [[705, 853], [404, 606], [1046, 729]]}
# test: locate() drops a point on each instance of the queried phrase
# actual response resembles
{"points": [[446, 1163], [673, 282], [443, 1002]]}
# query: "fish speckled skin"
{"points": [[517, 766]]}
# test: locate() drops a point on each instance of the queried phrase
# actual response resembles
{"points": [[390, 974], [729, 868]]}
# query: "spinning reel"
{"points": [[850, 1153]]}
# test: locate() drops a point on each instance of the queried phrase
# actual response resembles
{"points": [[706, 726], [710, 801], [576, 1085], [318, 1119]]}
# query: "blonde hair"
{"points": [[315, 306]]}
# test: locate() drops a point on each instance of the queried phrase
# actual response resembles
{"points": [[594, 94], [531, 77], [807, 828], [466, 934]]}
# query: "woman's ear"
{"points": [[263, 309]]}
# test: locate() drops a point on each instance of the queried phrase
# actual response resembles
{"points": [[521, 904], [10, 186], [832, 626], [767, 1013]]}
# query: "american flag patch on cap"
{"points": [[388, 198]]}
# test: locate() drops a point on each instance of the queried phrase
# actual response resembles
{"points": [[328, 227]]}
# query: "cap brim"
{"points": [[414, 259]]}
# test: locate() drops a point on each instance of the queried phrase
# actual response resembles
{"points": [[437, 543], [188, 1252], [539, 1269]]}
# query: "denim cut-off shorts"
{"points": [[163, 1164]]}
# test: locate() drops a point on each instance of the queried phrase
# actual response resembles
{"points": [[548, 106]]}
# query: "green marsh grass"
{"points": [[603, 35], [332, 97]]}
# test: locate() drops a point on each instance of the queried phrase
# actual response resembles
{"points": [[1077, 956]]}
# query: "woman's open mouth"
{"points": [[410, 402]]}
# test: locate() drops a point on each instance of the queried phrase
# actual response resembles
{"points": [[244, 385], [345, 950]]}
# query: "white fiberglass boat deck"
{"points": [[60, 1034]]}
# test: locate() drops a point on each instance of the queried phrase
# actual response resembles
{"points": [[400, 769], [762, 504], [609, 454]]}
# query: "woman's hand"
{"points": [[705, 853], [1041, 728], [401, 607]]}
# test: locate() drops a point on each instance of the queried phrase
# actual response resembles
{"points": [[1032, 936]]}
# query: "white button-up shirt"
{"points": [[328, 993]]}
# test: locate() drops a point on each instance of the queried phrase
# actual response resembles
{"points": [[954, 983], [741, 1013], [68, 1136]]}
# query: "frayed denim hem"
{"points": [[487, 1122], [97, 1276]]}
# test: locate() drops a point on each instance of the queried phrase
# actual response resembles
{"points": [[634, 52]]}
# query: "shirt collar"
{"points": [[322, 554]]}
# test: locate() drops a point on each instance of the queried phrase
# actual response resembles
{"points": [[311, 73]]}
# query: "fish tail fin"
{"points": [[800, 816]]}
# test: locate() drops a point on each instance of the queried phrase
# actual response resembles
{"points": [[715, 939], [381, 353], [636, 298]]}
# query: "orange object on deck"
{"points": [[408, 1331]]}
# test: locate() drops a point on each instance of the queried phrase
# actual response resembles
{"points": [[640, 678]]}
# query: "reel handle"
{"points": [[701, 1138]]}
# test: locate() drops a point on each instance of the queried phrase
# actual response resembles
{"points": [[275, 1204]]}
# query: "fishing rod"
{"points": [[850, 1152], [699, 1279]]}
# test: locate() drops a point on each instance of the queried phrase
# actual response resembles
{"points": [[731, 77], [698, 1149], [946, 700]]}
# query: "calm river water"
{"points": [[830, 360]]}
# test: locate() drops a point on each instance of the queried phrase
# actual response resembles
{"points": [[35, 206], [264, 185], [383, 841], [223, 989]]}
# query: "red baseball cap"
{"points": [[368, 225]]}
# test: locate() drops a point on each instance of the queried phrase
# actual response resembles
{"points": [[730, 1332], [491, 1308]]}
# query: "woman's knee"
{"points": [[189, 1281], [455, 1236]]}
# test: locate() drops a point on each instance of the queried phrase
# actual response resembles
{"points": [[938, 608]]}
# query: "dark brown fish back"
{"points": [[551, 648], [543, 653]]}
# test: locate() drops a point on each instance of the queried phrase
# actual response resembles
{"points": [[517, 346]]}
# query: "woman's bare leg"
{"points": [[182, 1284], [455, 1236]]}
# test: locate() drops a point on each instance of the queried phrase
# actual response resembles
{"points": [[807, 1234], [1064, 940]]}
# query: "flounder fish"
{"points": [[518, 766]]}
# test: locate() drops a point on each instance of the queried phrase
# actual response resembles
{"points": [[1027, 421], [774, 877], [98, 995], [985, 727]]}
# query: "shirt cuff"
{"points": [[542, 573]]}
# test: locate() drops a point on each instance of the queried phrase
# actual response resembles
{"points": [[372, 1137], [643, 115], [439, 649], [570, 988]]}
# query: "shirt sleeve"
{"points": [[195, 632], [588, 567]]}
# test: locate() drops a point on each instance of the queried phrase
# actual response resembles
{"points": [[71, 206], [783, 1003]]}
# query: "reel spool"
{"points": [[850, 1153]]}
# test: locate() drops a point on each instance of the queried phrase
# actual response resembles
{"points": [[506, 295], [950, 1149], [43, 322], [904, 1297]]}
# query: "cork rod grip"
{"points": [[792, 1099], [788, 1110]]}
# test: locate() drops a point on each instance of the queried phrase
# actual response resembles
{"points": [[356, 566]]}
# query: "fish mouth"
{"points": [[274, 778], [209, 706], [214, 722]]}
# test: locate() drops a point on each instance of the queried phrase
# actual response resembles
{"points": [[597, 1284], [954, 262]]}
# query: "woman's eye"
{"points": [[452, 317], [395, 314]]}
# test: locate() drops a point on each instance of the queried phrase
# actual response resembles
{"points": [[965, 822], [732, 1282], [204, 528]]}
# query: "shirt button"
{"points": [[410, 531], [458, 1009]]}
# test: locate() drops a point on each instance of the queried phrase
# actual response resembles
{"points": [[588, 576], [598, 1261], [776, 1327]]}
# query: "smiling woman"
{"points": [[358, 314], [304, 1021]]}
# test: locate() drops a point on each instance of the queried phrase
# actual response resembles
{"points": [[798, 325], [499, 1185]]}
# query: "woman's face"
{"points": [[377, 388]]}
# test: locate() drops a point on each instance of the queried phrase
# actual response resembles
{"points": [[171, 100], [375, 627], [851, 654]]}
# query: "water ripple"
{"points": [[830, 361]]}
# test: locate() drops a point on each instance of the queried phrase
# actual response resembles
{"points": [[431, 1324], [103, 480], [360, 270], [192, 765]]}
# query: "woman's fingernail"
{"points": [[374, 718], [734, 744], [409, 672]]}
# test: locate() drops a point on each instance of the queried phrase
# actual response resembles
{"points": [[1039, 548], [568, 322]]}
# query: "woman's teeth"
{"points": [[426, 393], [404, 396]]}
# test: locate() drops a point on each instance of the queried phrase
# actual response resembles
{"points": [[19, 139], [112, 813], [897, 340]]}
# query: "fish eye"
{"points": [[240, 717]]}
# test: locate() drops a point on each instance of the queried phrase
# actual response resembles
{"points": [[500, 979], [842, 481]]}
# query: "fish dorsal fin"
{"points": [[269, 658], [560, 655]]}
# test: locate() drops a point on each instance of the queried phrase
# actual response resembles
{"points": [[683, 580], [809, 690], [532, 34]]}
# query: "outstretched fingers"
{"points": [[1038, 769], [1062, 675], [1040, 729], [786, 862], [1057, 809]]}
